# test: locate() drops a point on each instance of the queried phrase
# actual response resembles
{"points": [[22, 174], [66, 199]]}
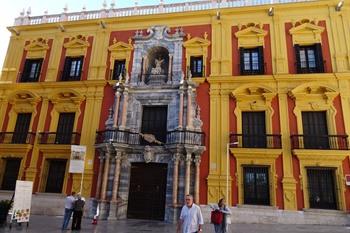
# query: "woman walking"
{"points": [[223, 227]]}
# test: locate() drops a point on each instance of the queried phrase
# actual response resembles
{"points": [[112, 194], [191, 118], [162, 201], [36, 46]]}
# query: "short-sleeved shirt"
{"points": [[68, 204], [191, 217]]}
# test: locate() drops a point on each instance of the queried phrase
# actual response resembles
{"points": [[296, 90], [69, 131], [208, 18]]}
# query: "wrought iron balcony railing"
{"points": [[269, 141], [17, 138], [172, 137], [59, 138], [320, 142]]}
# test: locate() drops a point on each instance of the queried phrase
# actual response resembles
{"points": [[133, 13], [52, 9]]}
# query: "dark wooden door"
{"points": [[321, 188], [10, 177], [256, 186], [22, 128], [55, 176], [315, 130], [254, 129], [147, 191], [65, 128], [154, 121]]}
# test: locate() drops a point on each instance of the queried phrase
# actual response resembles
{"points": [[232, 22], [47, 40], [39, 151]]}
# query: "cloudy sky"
{"points": [[12, 8]]}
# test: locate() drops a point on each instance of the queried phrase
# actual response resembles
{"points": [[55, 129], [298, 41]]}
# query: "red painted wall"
{"points": [[346, 169], [23, 59], [233, 162], [62, 59], [46, 61], [235, 53], [267, 50]]}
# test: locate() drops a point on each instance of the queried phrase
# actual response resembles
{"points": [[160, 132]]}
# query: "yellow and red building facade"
{"points": [[272, 98]]}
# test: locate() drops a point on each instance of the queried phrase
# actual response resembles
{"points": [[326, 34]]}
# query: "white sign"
{"points": [[77, 159], [22, 201], [347, 180]]}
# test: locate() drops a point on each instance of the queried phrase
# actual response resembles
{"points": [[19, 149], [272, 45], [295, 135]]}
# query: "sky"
{"points": [[12, 9]]}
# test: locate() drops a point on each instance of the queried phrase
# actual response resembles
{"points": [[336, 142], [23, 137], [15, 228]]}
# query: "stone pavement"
{"points": [[46, 224]]}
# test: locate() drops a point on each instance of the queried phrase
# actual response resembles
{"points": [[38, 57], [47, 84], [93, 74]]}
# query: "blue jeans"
{"points": [[66, 218]]}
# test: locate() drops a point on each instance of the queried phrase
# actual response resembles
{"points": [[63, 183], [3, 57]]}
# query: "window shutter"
{"points": [[261, 60], [81, 66], [319, 58], [66, 69], [241, 55], [26, 70], [38, 69], [297, 58]]}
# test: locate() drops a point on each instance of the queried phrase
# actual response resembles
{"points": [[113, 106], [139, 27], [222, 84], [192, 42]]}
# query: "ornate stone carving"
{"points": [[148, 154]]}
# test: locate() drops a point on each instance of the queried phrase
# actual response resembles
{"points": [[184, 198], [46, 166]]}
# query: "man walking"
{"points": [[68, 210], [78, 207], [191, 219]]}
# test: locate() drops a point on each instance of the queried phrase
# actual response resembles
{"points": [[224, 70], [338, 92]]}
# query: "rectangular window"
{"points": [[154, 121], [31, 70], [10, 176], [252, 61], [322, 189], [20, 133], [65, 128], [256, 185], [55, 175], [253, 130], [72, 68], [197, 66], [119, 69], [309, 59], [315, 131]]}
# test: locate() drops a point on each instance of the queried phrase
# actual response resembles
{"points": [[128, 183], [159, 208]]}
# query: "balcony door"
{"points": [[154, 121], [65, 128], [256, 185], [315, 130], [20, 133], [254, 129], [12, 166], [55, 175]]}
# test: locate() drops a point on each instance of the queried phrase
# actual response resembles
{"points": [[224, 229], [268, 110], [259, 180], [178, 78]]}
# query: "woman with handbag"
{"points": [[226, 218]]}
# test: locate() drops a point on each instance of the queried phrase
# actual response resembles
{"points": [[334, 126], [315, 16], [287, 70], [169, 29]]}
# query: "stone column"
{"points": [[188, 173], [170, 68], [189, 108], [176, 159], [181, 108], [144, 69], [105, 176], [197, 162], [116, 176], [116, 108], [99, 178], [125, 108]]}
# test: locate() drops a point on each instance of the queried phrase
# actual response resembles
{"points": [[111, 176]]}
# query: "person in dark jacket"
{"points": [[78, 208]]}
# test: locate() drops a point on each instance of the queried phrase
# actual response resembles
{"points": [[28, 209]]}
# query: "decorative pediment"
{"points": [[37, 45], [24, 101], [251, 35], [119, 46], [254, 94], [314, 94], [68, 96], [306, 32], [77, 42], [197, 41]]}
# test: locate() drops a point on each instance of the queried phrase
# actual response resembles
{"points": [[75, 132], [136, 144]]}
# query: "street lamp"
{"points": [[227, 165]]}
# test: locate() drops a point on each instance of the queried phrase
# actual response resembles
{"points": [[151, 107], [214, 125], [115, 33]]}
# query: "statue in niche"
{"points": [[158, 69]]}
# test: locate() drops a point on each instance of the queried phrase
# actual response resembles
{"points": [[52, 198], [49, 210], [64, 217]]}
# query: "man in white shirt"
{"points": [[68, 210], [191, 219]]}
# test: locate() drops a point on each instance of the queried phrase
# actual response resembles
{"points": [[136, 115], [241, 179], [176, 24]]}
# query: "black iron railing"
{"points": [[17, 138], [131, 138], [270, 141], [320, 142], [59, 138]]}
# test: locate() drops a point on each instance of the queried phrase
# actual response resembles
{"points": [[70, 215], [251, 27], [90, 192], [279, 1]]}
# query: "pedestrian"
{"points": [[68, 210], [78, 207], [191, 219], [226, 220]]}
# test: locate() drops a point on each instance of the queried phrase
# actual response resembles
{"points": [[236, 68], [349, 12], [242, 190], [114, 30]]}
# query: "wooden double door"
{"points": [[147, 191]]}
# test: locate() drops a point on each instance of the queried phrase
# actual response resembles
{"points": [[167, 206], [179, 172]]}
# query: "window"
{"points": [[309, 59], [256, 185], [154, 121], [252, 61], [20, 133], [315, 130], [322, 194], [31, 71], [119, 68], [65, 128], [253, 130], [55, 175], [197, 66], [10, 176], [72, 69]]}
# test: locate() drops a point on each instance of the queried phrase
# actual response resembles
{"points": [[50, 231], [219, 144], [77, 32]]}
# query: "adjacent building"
{"points": [[246, 100]]}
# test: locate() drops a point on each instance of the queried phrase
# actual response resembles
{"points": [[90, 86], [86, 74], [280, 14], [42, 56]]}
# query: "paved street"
{"points": [[44, 224]]}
